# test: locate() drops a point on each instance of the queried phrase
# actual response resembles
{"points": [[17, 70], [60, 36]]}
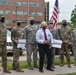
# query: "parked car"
{"points": [[9, 46]]}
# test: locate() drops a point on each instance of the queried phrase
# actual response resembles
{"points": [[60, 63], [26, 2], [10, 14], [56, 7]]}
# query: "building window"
{"points": [[4, 12], [35, 5], [37, 22], [36, 13], [19, 3], [7, 12], [7, 21], [20, 12], [4, 2], [22, 21]]}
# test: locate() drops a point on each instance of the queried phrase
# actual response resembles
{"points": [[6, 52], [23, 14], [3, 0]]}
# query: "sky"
{"points": [[65, 7]]}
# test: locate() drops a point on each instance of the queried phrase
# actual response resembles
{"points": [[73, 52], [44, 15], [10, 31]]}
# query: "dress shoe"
{"points": [[6, 71], [50, 69], [40, 70]]}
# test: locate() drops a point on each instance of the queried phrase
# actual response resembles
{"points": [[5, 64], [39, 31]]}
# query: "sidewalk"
{"points": [[57, 70]]}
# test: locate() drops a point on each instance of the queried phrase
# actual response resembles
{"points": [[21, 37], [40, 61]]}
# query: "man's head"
{"points": [[2, 18], [64, 22], [31, 19], [43, 25], [18, 23]]}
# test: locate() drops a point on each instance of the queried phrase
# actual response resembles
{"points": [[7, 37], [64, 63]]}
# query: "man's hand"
{"points": [[45, 42], [17, 41]]}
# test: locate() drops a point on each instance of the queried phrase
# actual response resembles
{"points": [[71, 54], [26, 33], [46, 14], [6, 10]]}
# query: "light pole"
{"points": [[75, 10], [28, 11], [46, 12], [16, 11]]}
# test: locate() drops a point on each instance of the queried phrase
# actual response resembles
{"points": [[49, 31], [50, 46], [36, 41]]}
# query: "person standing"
{"points": [[16, 34], [66, 37], [3, 38], [29, 34], [44, 39], [55, 36]]}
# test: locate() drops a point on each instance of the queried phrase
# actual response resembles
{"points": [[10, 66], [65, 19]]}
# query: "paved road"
{"points": [[58, 70], [22, 57]]}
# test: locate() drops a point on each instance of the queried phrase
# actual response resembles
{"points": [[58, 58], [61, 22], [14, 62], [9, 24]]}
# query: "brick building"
{"points": [[46, 11], [23, 9]]}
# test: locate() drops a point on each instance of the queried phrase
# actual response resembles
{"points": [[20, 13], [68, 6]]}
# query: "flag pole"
{"points": [[58, 12]]}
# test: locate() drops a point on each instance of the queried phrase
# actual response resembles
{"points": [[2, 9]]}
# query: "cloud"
{"points": [[65, 6]]}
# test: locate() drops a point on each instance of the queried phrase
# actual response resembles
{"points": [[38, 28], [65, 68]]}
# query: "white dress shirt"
{"points": [[40, 38]]}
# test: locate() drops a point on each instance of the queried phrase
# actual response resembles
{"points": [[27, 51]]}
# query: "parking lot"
{"points": [[23, 56]]}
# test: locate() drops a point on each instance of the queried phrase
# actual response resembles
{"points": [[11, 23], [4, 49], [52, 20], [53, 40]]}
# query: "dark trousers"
{"points": [[44, 49]]}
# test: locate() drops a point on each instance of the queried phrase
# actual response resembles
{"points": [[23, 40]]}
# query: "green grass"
{"points": [[23, 64], [68, 74], [57, 61]]}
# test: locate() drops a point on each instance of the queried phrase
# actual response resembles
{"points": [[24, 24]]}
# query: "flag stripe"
{"points": [[55, 9], [55, 14]]}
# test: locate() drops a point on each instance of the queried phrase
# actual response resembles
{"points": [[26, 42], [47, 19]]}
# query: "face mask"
{"points": [[18, 24], [44, 27], [31, 22], [3, 20]]}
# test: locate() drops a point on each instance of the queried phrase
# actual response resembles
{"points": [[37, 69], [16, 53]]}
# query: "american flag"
{"points": [[54, 17]]}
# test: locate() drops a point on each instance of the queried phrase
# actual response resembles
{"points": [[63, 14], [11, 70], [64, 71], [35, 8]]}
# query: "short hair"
{"points": [[43, 23]]}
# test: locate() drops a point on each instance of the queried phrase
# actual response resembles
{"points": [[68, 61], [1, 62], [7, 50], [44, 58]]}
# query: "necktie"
{"points": [[45, 35]]}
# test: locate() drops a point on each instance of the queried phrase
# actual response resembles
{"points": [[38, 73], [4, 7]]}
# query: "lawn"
{"points": [[57, 61], [68, 74], [23, 64]]}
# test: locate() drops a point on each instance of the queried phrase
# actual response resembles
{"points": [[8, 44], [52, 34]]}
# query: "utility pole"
{"points": [[16, 11], [28, 11]]}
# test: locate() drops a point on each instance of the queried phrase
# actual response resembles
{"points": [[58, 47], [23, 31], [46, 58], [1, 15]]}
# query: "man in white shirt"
{"points": [[44, 39]]}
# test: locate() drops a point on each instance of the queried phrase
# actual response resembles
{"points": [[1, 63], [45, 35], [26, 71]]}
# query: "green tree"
{"points": [[73, 16]]}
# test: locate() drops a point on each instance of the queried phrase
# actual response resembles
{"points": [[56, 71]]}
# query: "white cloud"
{"points": [[66, 7]]}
